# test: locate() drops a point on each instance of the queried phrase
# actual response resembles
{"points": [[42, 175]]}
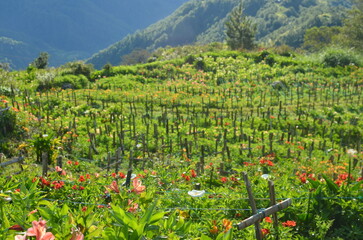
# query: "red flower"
{"points": [[57, 185], [74, 187], [266, 162], [84, 209], [76, 163], [121, 175], [248, 164], [265, 231], [81, 178], [16, 228], [268, 219], [81, 188], [113, 175], [193, 173], [223, 179], [289, 223]]}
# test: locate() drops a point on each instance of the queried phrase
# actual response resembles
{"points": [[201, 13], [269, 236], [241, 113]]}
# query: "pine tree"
{"points": [[240, 31]]}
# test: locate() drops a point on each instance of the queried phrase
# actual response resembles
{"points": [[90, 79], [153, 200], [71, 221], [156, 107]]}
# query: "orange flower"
{"points": [[214, 229], [268, 219], [289, 223], [226, 224]]}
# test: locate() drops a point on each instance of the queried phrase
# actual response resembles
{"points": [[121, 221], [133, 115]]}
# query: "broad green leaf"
{"points": [[331, 185]]}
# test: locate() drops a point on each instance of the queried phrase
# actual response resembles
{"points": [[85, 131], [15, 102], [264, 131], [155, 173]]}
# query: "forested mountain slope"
{"points": [[278, 22], [69, 29]]}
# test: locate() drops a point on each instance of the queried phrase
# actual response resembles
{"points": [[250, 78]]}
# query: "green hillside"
{"points": [[278, 22], [163, 150]]}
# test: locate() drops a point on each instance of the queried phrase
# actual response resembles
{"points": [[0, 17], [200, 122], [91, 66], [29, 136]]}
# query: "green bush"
{"points": [[7, 122], [339, 57], [79, 68], [71, 81]]}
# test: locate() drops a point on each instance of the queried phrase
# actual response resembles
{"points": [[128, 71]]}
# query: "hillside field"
{"points": [[116, 153]]}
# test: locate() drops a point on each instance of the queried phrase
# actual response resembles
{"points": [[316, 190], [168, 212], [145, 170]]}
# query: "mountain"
{"points": [[69, 29], [202, 21]]}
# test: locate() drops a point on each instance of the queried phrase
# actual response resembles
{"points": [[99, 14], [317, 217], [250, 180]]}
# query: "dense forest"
{"points": [[200, 22]]}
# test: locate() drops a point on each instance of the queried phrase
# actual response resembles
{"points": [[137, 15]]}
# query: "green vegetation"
{"points": [[200, 22], [192, 117], [240, 32]]}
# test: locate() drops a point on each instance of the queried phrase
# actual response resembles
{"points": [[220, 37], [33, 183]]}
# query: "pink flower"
{"points": [[38, 231], [133, 206], [76, 234], [114, 187], [138, 188]]}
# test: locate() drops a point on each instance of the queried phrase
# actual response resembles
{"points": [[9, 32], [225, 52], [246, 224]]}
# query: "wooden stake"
{"points": [[254, 210], [271, 187], [45, 163], [261, 215]]}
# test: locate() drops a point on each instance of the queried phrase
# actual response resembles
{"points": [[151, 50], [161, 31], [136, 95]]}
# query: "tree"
{"points": [[240, 31], [41, 62], [135, 57], [317, 38], [352, 28]]}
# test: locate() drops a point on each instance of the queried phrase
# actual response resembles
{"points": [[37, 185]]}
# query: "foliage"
{"points": [[135, 57], [240, 31], [7, 122], [49, 81], [340, 57], [135, 142], [79, 68], [203, 22], [41, 62], [352, 34], [316, 38]]}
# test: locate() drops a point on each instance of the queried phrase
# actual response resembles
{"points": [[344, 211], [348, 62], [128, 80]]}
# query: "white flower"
{"points": [[351, 152], [265, 176], [196, 193]]}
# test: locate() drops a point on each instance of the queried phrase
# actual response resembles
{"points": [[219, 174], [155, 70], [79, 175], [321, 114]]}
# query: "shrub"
{"points": [[79, 68], [7, 122], [339, 57], [71, 81]]}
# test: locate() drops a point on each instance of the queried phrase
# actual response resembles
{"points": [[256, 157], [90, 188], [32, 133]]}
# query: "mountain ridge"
{"points": [[271, 16]]}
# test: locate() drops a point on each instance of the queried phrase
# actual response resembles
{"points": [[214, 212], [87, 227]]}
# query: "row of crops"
{"points": [[117, 156]]}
